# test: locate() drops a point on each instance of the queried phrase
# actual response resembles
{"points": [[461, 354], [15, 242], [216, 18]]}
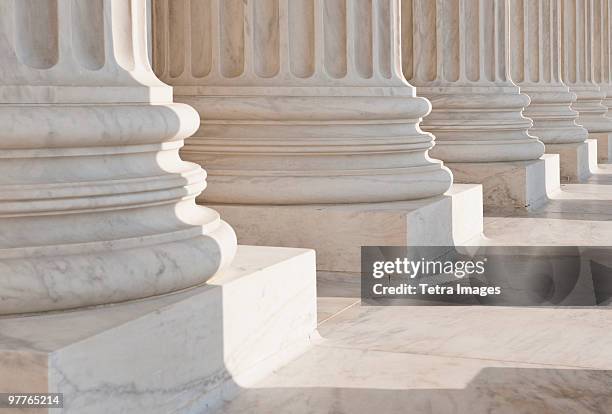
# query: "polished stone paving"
{"points": [[458, 359]]}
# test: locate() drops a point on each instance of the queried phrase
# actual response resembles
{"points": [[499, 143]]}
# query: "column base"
{"points": [[604, 149], [178, 353], [578, 160], [516, 185], [337, 231]]}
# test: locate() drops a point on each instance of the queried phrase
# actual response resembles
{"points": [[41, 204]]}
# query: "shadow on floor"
{"points": [[491, 391]]}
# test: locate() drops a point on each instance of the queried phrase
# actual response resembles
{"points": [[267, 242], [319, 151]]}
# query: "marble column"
{"points": [[535, 61], [96, 206], [581, 60], [602, 62], [303, 102], [455, 52]]}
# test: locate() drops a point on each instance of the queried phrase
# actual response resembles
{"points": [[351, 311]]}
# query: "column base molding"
{"points": [[604, 148], [578, 160], [181, 353], [337, 231], [514, 184]]}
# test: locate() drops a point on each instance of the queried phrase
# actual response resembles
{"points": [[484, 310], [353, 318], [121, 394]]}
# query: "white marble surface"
{"points": [[96, 206], [338, 231], [445, 360], [178, 353], [423, 385]]}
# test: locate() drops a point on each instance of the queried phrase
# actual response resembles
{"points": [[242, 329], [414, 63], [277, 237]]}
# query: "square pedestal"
{"points": [[604, 149], [338, 231], [178, 353], [512, 185], [578, 160]]}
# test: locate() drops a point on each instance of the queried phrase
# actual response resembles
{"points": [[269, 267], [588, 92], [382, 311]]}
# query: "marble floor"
{"points": [[458, 359]]}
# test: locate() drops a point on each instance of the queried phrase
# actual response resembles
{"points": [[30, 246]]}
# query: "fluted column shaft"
{"points": [[602, 50], [95, 204], [302, 101], [581, 59], [535, 61], [456, 55]]}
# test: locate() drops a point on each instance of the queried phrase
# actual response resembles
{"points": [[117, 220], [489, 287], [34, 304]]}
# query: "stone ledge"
{"points": [[337, 231], [178, 353]]}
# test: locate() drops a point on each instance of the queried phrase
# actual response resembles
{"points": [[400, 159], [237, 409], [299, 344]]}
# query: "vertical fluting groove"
{"points": [[425, 36], [283, 37], [37, 36], [266, 36], [533, 39], [607, 67], [200, 25], [376, 44], [598, 16], [546, 32], [462, 40], [232, 45], [570, 55], [483, 45], [161, 45], [517, 40], [383, 25], [582, 42], [596, 40], [588, 37], [248, 35], [176, 26], [351, 44], [302, 37], [541, 50], [593, 41], [188, 63], [407, 38], [439, 53], [215, 44], [472, 26], [88, 33], [361, 27], [335, 31], [319, 33], [498, 50], [449, 56], [554, 46]]}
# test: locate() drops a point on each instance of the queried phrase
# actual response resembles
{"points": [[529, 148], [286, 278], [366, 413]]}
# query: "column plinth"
{"points": [[535, 61], [456, 55], [96, 206]]}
